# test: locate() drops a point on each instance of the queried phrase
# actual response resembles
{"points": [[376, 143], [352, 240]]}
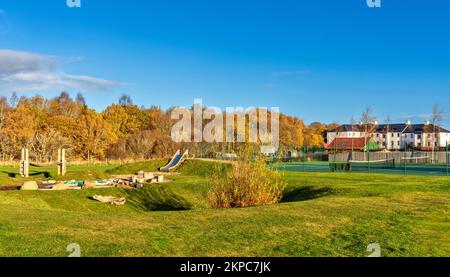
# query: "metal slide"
{"points": [[176, 160]]}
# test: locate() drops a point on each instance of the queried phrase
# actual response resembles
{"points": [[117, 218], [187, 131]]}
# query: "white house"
{"points": [[396, 136]]}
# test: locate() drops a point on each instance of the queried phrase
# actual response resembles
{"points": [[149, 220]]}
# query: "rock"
{"points": [[138, 186], [30, 185], [148, 176], [61, 186], [141, 174], [89, 185], [118, 201], [160, 178]]}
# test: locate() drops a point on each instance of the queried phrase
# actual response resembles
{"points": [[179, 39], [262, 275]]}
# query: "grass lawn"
{"points": [[322, 214]]}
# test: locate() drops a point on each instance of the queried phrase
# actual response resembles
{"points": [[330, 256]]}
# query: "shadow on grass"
{"points": [[46, 174], [305, 193], [156, 198]]}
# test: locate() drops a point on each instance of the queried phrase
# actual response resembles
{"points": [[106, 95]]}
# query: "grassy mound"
{"points": [[156, 198], [130, 168], [204, 168]]}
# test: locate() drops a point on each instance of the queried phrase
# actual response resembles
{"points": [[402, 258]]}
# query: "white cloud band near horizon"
{"points": [[31, 72]]}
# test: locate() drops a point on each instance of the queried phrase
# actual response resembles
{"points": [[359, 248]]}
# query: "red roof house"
{"points": [[347, 144]]}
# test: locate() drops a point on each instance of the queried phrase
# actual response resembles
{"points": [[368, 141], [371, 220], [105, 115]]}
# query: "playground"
{"points": [[321, 214], [78, 176]]}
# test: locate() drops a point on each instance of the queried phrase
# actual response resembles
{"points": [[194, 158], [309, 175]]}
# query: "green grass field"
{"points": [[322, 214]]}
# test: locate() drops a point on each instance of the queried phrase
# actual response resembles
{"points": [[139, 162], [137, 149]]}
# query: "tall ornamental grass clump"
{"points": [[249, 183]]}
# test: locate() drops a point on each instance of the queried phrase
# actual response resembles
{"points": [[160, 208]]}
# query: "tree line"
{"points": [[122, 131]]}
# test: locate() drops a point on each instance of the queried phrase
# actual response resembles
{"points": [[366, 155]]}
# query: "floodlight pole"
{"points": [[402, 135]]}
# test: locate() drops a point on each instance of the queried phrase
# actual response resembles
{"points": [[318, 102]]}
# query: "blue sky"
{"points": [[321, 60]]}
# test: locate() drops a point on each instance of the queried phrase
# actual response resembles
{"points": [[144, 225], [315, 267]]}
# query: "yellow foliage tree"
{"points": [[92, 136]]}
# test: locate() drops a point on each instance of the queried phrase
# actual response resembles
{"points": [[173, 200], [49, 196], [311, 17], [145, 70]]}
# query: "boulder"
{"points": [[138, 186], [148, 176], [30, 185], [140, 174], [61, 186], [89, 185], [118, 201]]}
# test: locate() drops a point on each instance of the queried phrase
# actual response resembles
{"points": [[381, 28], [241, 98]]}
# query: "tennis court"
{"points": [[388, 166]]}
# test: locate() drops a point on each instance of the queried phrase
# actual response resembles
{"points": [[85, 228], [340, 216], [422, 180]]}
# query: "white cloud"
{"points": [[30, 72]]}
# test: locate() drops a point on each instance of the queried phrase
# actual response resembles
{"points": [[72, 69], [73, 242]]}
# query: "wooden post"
{"points": [[59, 161], [63, 161], [22, 163], [62, 164], [25, 163]]}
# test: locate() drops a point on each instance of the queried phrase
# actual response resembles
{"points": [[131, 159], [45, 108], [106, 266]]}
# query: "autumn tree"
{"points": [[125, 100], [18, 130], [122, 123], [291, 132], [314, 135], [92, 135], [80, 100]]}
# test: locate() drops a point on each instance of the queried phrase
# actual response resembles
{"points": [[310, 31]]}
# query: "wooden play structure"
{"points": [[25, 162]]}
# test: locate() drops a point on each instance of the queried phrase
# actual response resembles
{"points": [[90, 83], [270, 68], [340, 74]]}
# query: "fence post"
{"points": [[446, 157], [304, 160], [404, 159]]}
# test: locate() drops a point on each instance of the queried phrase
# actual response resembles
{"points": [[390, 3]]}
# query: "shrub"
{"points": [[248, 183]]}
